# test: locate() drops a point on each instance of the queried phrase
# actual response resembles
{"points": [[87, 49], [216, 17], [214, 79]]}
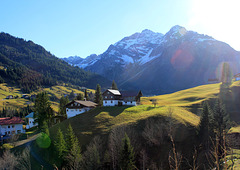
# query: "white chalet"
{"points": [[79, 106], [119, 98], [9, 126], [31, 120]]}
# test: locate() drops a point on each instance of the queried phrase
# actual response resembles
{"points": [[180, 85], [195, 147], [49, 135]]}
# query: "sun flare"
{"points": [[219, 18]]}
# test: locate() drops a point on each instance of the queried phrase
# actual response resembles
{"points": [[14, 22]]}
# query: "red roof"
{"points": [[237, 75], [9, 121]]}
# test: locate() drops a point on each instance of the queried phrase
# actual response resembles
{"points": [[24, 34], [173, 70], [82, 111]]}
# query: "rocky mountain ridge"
{"points": [[159, 64]]}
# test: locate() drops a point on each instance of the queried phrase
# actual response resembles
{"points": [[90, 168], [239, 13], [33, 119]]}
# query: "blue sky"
{"points": [[80, 27]]}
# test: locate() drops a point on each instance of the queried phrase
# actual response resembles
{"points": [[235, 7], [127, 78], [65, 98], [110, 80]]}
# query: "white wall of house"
{"points": [[11, 129], [74, 112], [115, 103], [31, 123], [132, 103], [110, 102]]}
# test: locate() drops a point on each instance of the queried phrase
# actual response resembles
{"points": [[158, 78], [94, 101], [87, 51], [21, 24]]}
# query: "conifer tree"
{"points": [[42, 108], [79, 96], [204, 127], [62, 105], [60, 144], [127, 155], [98, 96], [74, 156], [114, 85], [86, 95], [71, 96], [45, 128], [220, 123]]}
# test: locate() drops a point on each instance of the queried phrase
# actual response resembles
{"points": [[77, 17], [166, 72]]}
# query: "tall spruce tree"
{"points": [[42, 108], [114, 85], [79, 96], [62, 105], [127, 155], [226, 76], [220, 123], [74, 156], [98, 96], [86, 95], [45, 128], [60, 144], [204, 128]]}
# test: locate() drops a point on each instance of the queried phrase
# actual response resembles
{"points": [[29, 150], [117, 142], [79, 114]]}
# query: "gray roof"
{"points": [[83, 103], [31, 115]]}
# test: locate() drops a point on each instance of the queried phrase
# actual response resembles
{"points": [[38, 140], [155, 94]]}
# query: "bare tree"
{"points": [[153, 132], [143, 159], [92, 156], [175, 158], [154, 102], [14, 138], [193, 165], [8, 161], [115, 142], [24, 160]]}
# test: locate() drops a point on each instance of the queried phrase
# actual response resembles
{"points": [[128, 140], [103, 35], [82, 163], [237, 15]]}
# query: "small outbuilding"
{"points": [[30, 121], [237, 77]]}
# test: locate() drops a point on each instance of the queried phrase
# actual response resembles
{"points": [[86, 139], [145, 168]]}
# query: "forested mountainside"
{"points": [[159, 64], [29, 65]]}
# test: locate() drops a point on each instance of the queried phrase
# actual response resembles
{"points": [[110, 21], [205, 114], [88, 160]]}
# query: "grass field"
{"points": [[235, 129], [186, 97], [54, 92]]}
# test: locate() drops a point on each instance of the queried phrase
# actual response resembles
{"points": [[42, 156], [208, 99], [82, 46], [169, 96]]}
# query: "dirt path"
{"points": [[25, 141], [29, 142]]}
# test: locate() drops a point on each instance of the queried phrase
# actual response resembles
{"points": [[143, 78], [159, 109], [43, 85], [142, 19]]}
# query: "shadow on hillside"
{"points": [[115, 111], [150, 108]]}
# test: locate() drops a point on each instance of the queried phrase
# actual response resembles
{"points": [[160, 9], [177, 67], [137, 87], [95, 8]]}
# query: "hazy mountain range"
{"points": [[158, 63]]}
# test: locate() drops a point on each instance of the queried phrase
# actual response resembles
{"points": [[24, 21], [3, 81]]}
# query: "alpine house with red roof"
{"points": [[11, 125], [118, 98]]}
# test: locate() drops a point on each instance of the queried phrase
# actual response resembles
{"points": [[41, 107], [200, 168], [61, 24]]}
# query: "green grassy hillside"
{"points": [[101, 120], [55, 92], [186, 106]]}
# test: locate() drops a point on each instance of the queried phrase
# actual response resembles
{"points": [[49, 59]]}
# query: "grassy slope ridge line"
{"points": [[99, 121], [186, 97]]}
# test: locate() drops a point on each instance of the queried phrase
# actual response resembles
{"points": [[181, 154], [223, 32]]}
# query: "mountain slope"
{"points": [[29, 65], [159, 64]]}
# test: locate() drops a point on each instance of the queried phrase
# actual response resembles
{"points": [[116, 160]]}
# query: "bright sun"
{"points": [[218, 18]]}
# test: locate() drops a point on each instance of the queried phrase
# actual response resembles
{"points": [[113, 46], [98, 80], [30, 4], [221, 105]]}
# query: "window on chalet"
{"points": [[8, 126], [105, 97], [111, 97], [67, 110], [105, 101], [12, 126], [131, 101], [71, 104], [111, 101], [108, 92], [18, 131]]}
